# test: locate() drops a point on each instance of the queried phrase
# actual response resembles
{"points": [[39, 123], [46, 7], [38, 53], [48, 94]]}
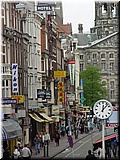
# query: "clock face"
{"points": [[103, 109]]}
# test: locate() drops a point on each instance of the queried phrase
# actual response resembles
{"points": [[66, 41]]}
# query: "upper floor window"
{"points": [[111, 55], [94, 56], [81, 56], [112, 84], [102, 55]]}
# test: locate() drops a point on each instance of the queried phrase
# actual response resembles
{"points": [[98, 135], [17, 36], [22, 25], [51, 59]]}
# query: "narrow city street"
{"points": [[82, 144], [59, 78]]}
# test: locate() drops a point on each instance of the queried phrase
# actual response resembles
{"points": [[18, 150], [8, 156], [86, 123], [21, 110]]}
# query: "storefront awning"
{"points": [[35, 117], [10, 129], [46, 117]]}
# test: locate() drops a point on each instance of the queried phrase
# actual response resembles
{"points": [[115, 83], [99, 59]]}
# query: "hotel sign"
{"points": [[44, 8], [14, 78]]}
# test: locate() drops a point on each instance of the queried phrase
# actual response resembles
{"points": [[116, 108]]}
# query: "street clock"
{"points": [[103, 109]]}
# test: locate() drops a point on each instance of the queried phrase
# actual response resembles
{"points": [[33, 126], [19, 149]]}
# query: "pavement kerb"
{"points": [[74, 143]]}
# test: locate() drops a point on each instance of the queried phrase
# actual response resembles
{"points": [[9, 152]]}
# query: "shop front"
{"points": [[11, 131]]}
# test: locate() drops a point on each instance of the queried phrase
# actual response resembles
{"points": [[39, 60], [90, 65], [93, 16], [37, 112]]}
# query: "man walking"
{"points": [[37, 143], [26, 154]]}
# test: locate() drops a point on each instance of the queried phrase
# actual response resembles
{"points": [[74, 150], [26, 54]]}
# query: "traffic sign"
{"points": [[82, 99]]}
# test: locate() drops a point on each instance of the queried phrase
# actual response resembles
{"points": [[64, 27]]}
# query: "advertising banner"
{"points": [[14, 78], [20, 98], [59, 74], [72, 70]]}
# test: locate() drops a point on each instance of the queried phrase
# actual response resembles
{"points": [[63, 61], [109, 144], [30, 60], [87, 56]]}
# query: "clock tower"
{"points": [[106, 18]]}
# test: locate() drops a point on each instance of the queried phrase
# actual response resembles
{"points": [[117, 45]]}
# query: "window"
{"points": [[74, 46], [94, 56], [102, 55], [3, 58], [81, 67], [111, 55], [112, 84], [104, 8], [3, 83], [103, 65], [112, 94], [7, 83], [112, 66], [81, 57]]}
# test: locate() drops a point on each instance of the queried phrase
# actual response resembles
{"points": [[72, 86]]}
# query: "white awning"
{"points": [[35, 117], [10, 129], [46, 117]]}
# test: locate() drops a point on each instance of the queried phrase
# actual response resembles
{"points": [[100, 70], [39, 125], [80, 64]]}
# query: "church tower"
{"points": [[106, 18]]}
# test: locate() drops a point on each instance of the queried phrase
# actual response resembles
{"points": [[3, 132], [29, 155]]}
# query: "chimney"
{"points": [[80, 28]]}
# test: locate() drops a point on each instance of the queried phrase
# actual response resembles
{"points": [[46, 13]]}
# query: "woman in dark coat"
{"points": [[57, 137]]}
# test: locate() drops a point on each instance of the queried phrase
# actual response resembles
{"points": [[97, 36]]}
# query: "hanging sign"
{"points": [[14, 78]]}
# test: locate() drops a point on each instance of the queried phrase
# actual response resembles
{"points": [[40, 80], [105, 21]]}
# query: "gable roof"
{"points": [[64, 28]]}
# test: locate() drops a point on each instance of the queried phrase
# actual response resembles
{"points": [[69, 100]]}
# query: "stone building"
{"points": [[100, 47]]}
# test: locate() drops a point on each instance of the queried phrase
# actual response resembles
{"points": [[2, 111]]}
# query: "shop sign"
{"points": [[19, 98], [59, 74], [55, 109], [9, 101], [14, 78], [48, 94], [43, 93], [71, 97]]}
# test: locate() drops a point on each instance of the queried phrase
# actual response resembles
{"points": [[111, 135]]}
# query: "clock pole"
{"points": [[103, 140]]}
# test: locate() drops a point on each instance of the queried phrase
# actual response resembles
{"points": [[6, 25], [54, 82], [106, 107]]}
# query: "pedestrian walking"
{"points": [[28, 146], [16, 153], [63, 130], [90, 155], [36, 141], [114, 147], [57, 137], [46, 140], [26, 154], [108, 149]]}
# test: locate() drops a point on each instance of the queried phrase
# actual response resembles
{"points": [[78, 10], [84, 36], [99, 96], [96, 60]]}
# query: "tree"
{"points": [[94, 89]]}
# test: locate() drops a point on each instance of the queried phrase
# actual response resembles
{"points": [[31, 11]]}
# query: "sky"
{"points": [[79, 11]]}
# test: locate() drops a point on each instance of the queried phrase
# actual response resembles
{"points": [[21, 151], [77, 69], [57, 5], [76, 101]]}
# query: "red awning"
{"points": [[107, 137], [72, 115]]}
